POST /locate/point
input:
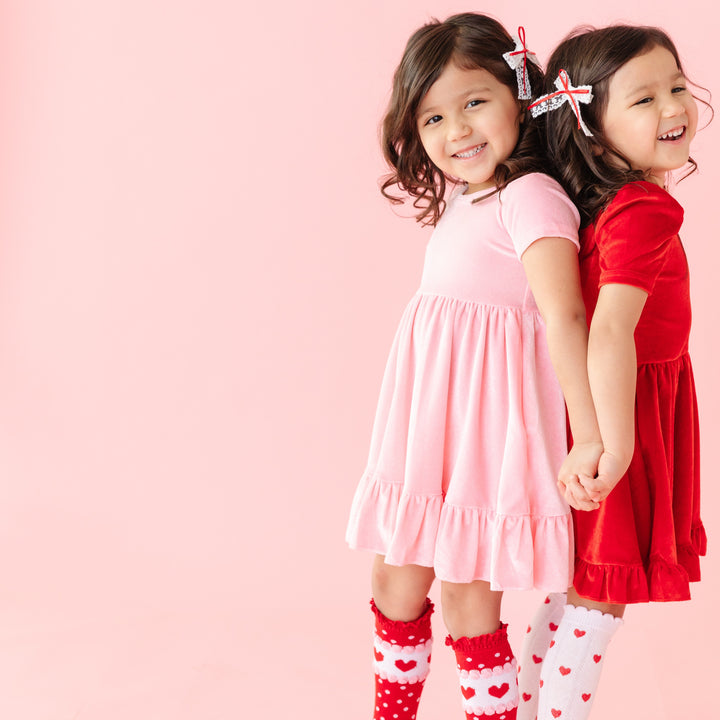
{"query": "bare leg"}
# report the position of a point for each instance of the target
(403, 637)
(571, 671)
(400, 593)
(485, 662)
(470, 609)
(611, 609)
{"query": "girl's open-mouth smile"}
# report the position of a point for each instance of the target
(469, 153)
(677, 133)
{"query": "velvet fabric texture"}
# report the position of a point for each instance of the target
(644, 541)
(470, 430)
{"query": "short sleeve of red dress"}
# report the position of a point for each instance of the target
(633, 235)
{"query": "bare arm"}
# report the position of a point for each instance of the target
(612, 369)
(551, 266)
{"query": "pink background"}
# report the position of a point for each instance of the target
(199, 283)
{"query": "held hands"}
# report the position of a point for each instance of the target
(581, 463)
(610, 470)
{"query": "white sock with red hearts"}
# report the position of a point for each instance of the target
(571, 671)
(402, 663)
(536, 642)
(488, 675)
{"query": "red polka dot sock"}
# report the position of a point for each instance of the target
(488, 675)
(536, 642)
(402, 662)
(571, 671)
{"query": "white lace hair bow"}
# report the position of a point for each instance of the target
(517, 59)
(565, 93)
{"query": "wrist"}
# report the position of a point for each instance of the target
(587, 441)
(622, 456)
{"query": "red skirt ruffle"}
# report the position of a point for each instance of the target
(644, 542)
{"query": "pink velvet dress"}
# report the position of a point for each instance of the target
(470, 429)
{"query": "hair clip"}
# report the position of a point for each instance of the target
(517, 59)
(565, 93)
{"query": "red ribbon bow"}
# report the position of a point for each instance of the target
(524, 53)
(566, 88)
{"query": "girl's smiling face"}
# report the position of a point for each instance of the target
(468, 123)
(651, 116)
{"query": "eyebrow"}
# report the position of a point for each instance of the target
(642, 88)
(477, 89)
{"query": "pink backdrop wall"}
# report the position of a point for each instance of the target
(198, 286)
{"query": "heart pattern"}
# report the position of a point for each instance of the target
(529, 629)
(378, 655)
(537, 659)
(586, 696)
(556, 713)
(405, 665)
(526, 696)
(597, 658)
(553, 627)
(468, 692)
(578, 633)
(552, 642)
(564, 670)
(498, 691)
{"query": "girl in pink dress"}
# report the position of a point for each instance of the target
(470, 431)
(619, 117)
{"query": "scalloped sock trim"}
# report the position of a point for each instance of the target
(571, 672)
(487, 671)
(401, 661)
(536, 643)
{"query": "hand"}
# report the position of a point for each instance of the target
(582, 460)
(610, 471)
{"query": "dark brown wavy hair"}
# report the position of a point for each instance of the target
(471, 41)
(587, 167)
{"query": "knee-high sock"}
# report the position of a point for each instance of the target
(402, 662)
(488, 675)
(535, 645)
(571, 670)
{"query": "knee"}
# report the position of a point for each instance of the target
(470, 609)
(400, 593)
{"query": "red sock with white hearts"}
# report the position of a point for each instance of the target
(402, 662)
(535, 645)
(488, 675)
(572, 667)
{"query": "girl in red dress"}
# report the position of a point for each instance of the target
(619, 118)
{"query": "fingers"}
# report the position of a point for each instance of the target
(576, 495)
(596, 488)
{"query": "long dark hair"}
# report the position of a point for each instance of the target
(587, 167)
(471, 41)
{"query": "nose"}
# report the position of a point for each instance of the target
(458, 128)
(673, 106)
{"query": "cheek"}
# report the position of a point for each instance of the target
(692, 112)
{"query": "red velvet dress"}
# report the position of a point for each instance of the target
(644, 541)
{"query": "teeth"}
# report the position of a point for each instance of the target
(470, 153)
(672, 134)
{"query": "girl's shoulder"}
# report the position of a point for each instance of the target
(534, 182)
(538, 195)
(642, 204)
(641, 219)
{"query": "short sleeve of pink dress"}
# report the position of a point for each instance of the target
(470, 428)
(643, 543)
